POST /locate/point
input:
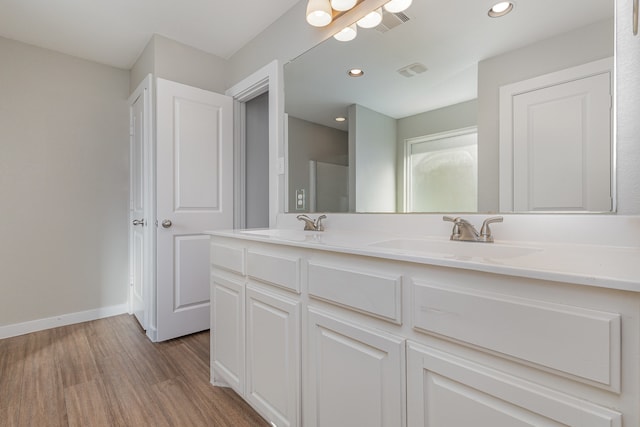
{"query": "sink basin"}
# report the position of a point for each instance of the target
(457, 249)
(283, 234)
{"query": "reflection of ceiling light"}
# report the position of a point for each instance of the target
(395, 6)
(355, 72)
(340, 119)
(347, 34)
(319, 13)
(500, 9)
(342, 5)
(371, 20)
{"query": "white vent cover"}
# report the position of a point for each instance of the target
(391, 20)
(412, 69)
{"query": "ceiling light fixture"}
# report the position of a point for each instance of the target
(500, 9)
(372, 19)
(355, 72)
(396, 6)
(341, 119)
(319, 13)
(347, 33)
(342, 5)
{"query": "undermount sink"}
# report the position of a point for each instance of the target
(457, 249)
(283, 234)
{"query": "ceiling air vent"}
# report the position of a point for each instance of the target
(412, 69)
(391, 20)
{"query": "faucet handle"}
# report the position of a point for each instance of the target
(308, 222)
(319, 224)
(485, 231)
(456, 226)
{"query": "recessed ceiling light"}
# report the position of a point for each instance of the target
(340, 119)
(355, 72)
(500, 9)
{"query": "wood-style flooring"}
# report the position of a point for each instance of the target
(108, 373)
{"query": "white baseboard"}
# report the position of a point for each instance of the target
(61, 320)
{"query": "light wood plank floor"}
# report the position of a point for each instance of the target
(107, 373)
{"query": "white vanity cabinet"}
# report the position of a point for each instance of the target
(355, 362)
(317, 335)
(446, 390)
(355, 374)
(273, 355)
(255, 342)
(227, 284)
(507, 351)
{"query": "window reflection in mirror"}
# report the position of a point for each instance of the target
(468, 58)
(442, 172)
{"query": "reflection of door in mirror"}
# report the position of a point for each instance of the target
(442, 172)
(556, 133)
(308, 141)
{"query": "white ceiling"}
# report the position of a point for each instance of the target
(114, 32)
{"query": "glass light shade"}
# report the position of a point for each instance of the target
(371, 20)
(347, 33)
(319, 13)
(395, 6)
(342, 5)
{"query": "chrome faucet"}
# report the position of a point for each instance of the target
(312, 225)
(464, 231)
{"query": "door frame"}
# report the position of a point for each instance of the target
(145, 92)
(507, 94)
(266, 79)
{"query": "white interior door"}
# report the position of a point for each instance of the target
(556, 141)
(563, 164)
(140, 245)
(194, 193)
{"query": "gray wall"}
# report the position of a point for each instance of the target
(257, 162)
(311, 141)
(372, 157)
(288, 37)
(575, 48)
(171, 60)
(64, 184)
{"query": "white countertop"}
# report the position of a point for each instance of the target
(603, 266)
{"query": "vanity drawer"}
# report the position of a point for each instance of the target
(581, 342)
(279, 270)
(371, 293)
(227, 258)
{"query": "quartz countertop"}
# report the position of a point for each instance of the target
(603, 266)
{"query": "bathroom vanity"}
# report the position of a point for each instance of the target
(346, 328)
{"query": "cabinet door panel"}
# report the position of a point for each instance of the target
(445, 390)
(273, 355)
(355, 375)
(227, 338)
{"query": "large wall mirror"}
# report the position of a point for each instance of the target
(457, 111)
